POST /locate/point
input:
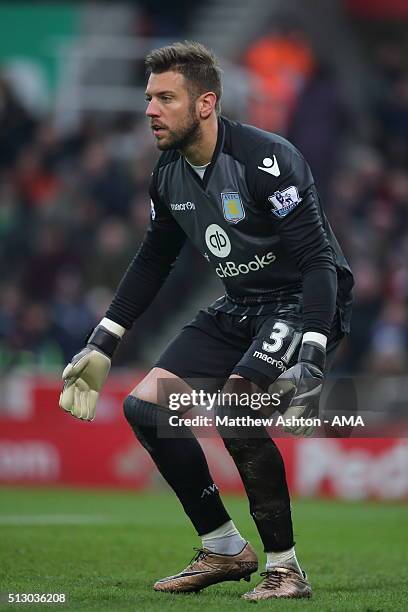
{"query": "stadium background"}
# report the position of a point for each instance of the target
(75, 162)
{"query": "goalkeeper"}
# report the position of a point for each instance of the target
(247, 200)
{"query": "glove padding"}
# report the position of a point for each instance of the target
(83, 379)
(300, 387)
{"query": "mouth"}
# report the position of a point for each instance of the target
(158, 130)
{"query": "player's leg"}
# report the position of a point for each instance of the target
(175, 451)
(261, 465)
(181, 461)
(256, 456)
(262, 471)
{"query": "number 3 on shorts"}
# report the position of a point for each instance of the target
(279, 332)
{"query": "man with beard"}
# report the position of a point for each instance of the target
(247, 200)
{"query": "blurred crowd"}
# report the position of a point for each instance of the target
(369, 209)
(74, 207)
(360, 165)
(73, 211)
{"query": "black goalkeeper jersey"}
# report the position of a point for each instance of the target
(257, 219)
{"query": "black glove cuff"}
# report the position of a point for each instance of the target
(311, 353)
(104, 340)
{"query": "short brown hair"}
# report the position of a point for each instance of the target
(195, 62)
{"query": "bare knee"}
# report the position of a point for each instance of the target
(157, 386)
(149, 387)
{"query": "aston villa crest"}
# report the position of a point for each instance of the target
(232, 207)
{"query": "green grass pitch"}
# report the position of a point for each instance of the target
(105, 549)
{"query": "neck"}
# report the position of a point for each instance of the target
(201, 151)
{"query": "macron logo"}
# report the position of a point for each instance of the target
(183, 206)
(270, 166)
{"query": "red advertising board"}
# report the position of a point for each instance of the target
(40, 444)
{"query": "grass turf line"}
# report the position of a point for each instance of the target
(355, 553)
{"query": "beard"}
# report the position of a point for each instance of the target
(184, 136)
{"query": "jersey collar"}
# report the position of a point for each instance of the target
(209, 170)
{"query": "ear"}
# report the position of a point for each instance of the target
(206, 104)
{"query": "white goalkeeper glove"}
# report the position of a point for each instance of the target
(85, 376)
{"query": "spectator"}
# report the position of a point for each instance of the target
(280, 63)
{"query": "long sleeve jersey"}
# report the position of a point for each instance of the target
(257, 219)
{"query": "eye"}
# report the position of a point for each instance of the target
(166, 98)
(148, 98)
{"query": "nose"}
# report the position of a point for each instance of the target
(152, 109)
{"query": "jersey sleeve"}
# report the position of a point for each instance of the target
(151, 265)
(283, 186)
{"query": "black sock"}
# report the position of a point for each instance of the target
(181, 461)
(262, 470)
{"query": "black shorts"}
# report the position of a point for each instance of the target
(259, 348)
